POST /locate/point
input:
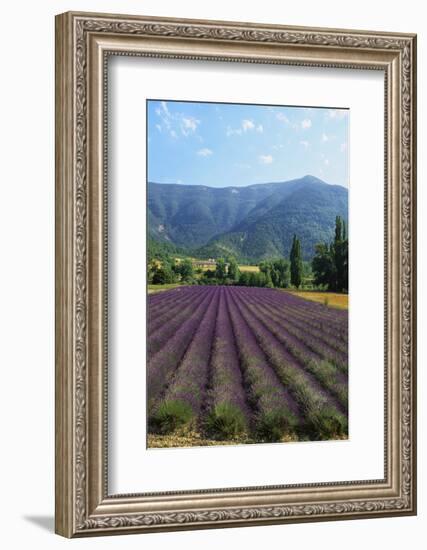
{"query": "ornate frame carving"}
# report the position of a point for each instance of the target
(83, 506)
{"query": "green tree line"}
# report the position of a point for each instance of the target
(272, 273)
(330, 264)
(167, 270)
(329, 267)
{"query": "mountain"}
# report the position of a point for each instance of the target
(191, 215)
(252, 223)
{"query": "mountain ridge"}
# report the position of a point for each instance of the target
(251, 222)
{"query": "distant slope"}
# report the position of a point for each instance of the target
(253, 222)
(190, 215)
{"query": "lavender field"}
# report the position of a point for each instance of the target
(244, 364)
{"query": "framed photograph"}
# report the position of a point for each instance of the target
(235, 274)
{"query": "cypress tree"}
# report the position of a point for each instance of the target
(296, 262)
(338, 253)
(330, 264)
(340, 256)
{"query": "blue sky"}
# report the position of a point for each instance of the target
(224, 144)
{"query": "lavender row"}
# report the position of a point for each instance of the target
(324, 372)
(180, 296)
(157, 319)
(327, 336)
(171, 296)
(321, 350)
(320, 415)
(188, 386)
(314, 309)
(332, 316)
(160, 336)
(157, 297)
(164, 363)
(320, 309)
(314, 313)
(229, 414)
(336, 329)
(276, 410)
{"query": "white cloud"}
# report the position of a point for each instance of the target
(282, 117)
(189, 125)
(165, 108)
(326, 161)
(163, 112)
(266, 159)
(343, 147)
(325, 138)
(305, 143)
(306, 123)
(205, 152)
(247, 125)
(175, 122)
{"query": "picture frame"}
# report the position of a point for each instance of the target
(84, 42)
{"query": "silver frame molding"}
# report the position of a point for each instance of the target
(83, 43)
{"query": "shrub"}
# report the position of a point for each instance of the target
(274, 425)
(225, 421)
(170, 416)
(328, 423)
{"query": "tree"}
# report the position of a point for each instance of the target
(339, 255)
(323, 266)
(208, 278)
(233, 270)
(254, 279)
(345, 265)
(164, 275)
(268, 280)
(244, 278)
(186, 270)
(281, 272)
(151, 270)
(296, 263)
(221, 269)
(330, 264)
